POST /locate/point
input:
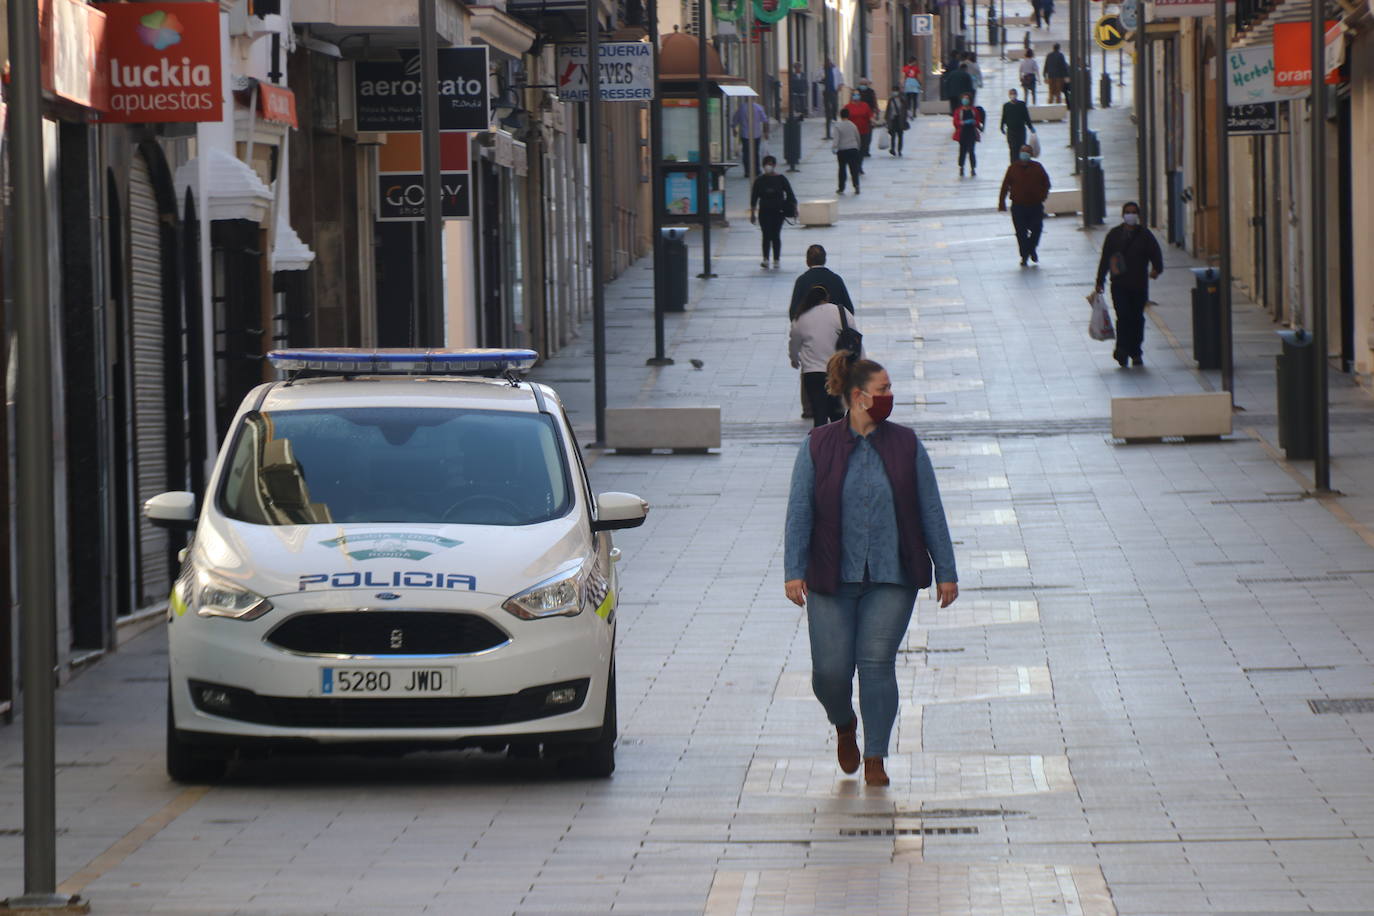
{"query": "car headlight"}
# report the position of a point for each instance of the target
(559, 596)
(210, 596)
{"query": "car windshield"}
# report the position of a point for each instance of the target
(367, 465)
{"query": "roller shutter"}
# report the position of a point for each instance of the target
(149, 348)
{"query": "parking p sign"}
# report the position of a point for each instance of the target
(922, 24)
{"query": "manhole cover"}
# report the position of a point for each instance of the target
(1346, 707)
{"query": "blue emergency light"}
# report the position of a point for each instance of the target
(401, 361)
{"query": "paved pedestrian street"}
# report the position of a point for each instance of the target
(1122, 713)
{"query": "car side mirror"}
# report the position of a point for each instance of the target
(175, 510)
(619, 510)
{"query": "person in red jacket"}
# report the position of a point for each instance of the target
(1028, 184)
(862, 116)
(968, 130)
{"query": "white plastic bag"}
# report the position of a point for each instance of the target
(1034, 142)
(882, 142)
(1100, 325)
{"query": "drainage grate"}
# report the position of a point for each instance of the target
(1282, 669)
(1260, 499)
(1346, 707)
(908, 831)
(19, 831)
(1291, 580)
(146, 680)
(1228, 562)
(925, 650)
(1025, 587)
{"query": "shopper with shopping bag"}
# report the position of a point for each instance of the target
(1132, 257)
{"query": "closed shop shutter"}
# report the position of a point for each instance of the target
(149, 344)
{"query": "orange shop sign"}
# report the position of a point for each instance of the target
(163, 62)
(278, 104)
(1293, 53)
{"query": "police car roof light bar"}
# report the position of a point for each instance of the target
(400, 361)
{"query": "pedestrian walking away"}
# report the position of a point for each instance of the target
(771, 202)
(971, 65)
(1056, 74)
(911, 86)
(897, 122)
(796, 91)
(1046, 11)
(1131, 256)
(864, 526)
(751, 123)
(816, 324)
(1035, 12)
(817, 274)
(831, 82)
(847, 144)
(1029, 74)
(959, 84)
(1028, 184)
(1016, 120)
(968, 130)
(862, 115)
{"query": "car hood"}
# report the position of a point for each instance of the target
(388, 558)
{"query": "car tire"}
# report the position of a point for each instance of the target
(187, 763)
(596, 759)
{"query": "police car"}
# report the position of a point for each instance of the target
(395, 553)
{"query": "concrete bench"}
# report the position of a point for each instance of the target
(1186, 416)
(934, 106)
(818, 212)
(642, 429)
(1065, 202)
(1041, 113)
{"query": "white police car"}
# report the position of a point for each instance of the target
(394, 554)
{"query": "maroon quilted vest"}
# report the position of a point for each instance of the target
(831, 446)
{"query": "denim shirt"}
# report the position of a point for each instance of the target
(868, 526)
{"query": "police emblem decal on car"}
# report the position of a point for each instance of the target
(386, 596)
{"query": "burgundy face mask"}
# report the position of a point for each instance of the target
(881, 409)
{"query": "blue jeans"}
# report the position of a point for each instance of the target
(860, 627)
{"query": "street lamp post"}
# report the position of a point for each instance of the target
(429, 330)
(1321, 451)
(703, 146)
(598, 233)
(1224, 208)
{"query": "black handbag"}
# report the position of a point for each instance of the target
(849, 338)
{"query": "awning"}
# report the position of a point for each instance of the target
(235, 191)
(734, 91)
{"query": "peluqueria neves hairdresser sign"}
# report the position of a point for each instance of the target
(162, 62)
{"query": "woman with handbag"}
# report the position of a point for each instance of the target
(897, 122)
(820, 328)
(771, 202)
(864, 526)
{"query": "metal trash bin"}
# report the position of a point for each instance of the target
(791, 142)
(674, 279)
(1207, 318)
(1297, 370)
(1094, 192)
(1092, 145)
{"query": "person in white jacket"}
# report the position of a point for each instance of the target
(816, 326)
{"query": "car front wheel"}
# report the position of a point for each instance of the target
(597, 758)
(187, 763)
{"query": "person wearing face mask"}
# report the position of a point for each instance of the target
(861, 115)
(815, 328)
(1028, 184)
(771, 202)
(864, 526)
(1131, 255)
(897, 122)
(968, 130)
(1016, 120)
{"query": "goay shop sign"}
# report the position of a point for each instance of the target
(163, 62)
(388, 99)
(401, 196)
(627, 72)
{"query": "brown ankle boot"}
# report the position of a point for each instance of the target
(874, 774)
(848, 750)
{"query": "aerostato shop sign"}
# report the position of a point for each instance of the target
(387, 93)
(162, 62)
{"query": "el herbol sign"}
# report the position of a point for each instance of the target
(162, 62)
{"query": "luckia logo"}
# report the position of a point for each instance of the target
(159, 30)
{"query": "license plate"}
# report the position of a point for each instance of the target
(387, 682)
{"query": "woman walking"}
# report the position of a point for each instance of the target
(911, 86)
(864, 525)
(1132, 257)
(968, 130)
(897, 122)
(816, 326)
(774, 201)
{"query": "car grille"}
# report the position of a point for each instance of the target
(428, 712)
(387, 633)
